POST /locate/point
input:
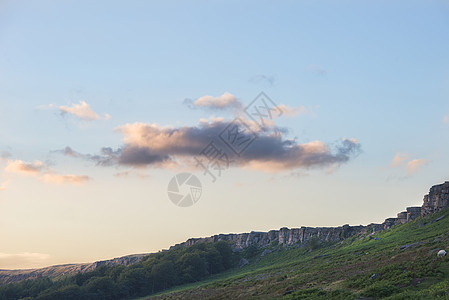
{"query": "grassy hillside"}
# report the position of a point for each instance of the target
(399, 263)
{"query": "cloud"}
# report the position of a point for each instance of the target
(69, 152)
(446, 119)
(415, 165)
(4, 154)
(318, 69)
(152, 145)
(225, 101)
(228, 101)
(23, 260)
(21, 167)
(398, 159)
(262, 79)
(60, 179)
(410, 166)
(293, 111)
(82, 111)
(42, 172)
(4, 185)
(127, 174)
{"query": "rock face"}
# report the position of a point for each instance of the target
(413, 213)
(437, 199)
(284, 236)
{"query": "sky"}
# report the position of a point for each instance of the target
(103, 103)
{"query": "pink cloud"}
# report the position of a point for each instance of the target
(415, 165)
(166, 147)
(42, 172)
(82, 111)
(398, 159)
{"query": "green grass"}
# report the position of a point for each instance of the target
(343, 271)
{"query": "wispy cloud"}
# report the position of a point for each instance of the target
(42, 172)
(82, 111)
(4, 154)
(223, 102)
(151, 145)
(4, 185)
(229, 102)
(294, 111)
(21, 167)
(261, 78)
(61, 179)
(415, 165)
(131, 173)
(410, 166)
(398, 159)
(317, 69)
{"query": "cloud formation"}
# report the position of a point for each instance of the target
(293, 111)
(223, 102)
(21, 167)
(82, 111)
(415, 165)
(398, 159)
(42, 172)
(229, 102)
(151, 145)
(410, 166)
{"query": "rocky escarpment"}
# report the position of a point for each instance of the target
(437, 199)
(285, 236)
(9, 276)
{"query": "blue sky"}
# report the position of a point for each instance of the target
(376, 72)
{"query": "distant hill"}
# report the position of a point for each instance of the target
(55, 272)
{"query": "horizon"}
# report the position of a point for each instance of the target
(103, 105)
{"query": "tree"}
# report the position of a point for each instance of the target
(193, 267)
(135, 281)
(226, 253)
(69, 292)
(101, 288)
(163, 276)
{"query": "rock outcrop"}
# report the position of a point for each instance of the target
(437, 199)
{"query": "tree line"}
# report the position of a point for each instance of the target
(154, 273)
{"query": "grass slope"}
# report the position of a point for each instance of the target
(369, 267)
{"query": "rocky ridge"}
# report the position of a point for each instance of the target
(8, 276)
(437, 199)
